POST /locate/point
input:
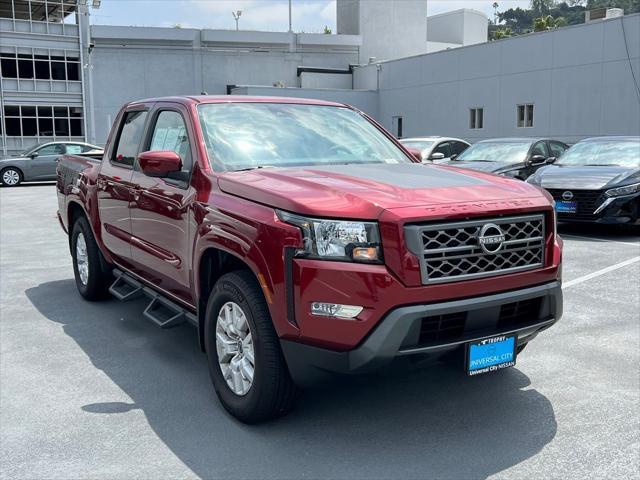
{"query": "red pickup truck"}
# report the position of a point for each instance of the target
(301, 239)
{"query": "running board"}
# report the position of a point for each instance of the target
(161, 311)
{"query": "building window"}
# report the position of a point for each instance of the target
(525, 115)
(43, 121)
(397, 126)
(40, 67)
(476, 117)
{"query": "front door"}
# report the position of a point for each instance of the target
(43, 165)
(161, 208)
(115, 189)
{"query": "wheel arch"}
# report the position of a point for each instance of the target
(212, 264)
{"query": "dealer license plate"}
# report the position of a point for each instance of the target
(566, 207)
(491, 354)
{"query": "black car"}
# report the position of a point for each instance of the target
(511, 157)
(596, 180)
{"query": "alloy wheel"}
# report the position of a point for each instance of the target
(10, 177)
(82, 258)
(234, 345)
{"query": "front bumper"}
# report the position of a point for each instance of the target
(409, 331)
(623, 210)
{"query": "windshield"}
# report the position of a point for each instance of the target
(242, 136)
(418, 144)
(616, 153)
(512, 152)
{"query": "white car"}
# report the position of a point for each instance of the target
(436, 149)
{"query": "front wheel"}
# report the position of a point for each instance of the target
(11, 177)
(91, 278)
(246, 364)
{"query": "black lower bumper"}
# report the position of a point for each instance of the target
(433, 329)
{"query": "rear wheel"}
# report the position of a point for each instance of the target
(246, 364)
(11, 177)
(91, 278)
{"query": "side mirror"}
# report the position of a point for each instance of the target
(536, 160)
(551, 160)
(437, 156)
(453, 157)
(417, 154)
(33, 155)
(159, 163)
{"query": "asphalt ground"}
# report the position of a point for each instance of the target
(93, 390)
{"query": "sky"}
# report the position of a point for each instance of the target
(309, 16)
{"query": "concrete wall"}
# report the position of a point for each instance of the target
(389, 28)
(130, 63)
(579, 79)
(461, 27)
(365, 100)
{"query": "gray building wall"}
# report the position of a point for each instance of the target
(579, 79)
(130, 63)
(389, 28)
(365, 100)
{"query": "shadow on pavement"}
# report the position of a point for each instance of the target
(419, 423)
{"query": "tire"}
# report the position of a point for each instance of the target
(270, 392)
(91, 278)
(11, 177)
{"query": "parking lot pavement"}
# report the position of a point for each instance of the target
(92, 390)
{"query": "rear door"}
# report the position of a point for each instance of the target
(114, 184)
(43, 166)
(161, 208)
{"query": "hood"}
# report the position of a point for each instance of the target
(491, 167)
(583, 178)
(364, 191)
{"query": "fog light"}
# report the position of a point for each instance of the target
(335, 310)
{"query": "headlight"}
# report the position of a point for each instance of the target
(628, 190)
(344, 240)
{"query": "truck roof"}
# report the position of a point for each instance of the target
(198, 99)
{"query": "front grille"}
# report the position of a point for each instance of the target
(516, 313)
(452, 251)
(587, 202)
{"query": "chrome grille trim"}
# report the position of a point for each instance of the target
(450, 252)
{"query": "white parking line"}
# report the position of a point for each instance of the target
(597, 273)
(635, 244)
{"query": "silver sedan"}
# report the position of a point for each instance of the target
(39, 162)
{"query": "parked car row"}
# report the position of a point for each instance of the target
(595, 180)
(38, 163)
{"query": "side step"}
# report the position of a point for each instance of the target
(161, 311)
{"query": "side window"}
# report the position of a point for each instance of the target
(557, 149)
(87, 148)
(128, 142)
(540, 148)
(74, 149)
(443, 148)
(459, 147)
(170, 133)
(55, 149)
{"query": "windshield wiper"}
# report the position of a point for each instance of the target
(253, 168)
(601, 165)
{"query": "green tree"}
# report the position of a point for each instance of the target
(502, 33)
(327, 30)
(542, 7)
(547, 22)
